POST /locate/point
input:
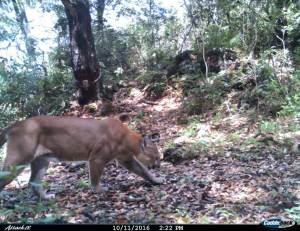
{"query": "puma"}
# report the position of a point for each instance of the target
(40, 140)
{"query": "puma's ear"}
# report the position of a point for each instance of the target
(146, 142)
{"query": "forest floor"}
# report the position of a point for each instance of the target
(218, 170)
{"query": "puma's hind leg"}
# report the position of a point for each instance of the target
(13, 159)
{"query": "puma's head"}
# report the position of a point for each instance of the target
(149, 155)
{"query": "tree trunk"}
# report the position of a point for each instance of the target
(281, 22)
(84, 60)
(100, 6)
(151, 3)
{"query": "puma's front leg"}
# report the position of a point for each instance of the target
(96, 169)
(139, 169)
(38, 169)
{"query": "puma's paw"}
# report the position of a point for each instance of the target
(44, 197)
(158, 181)
(100, 190)
(49, 197)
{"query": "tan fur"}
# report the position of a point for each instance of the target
(40, 140)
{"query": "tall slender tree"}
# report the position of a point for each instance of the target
(84, 59)
(25, 28)
(100, 6)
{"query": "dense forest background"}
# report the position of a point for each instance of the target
(230, 67)
(225, 45)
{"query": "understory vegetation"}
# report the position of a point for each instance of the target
(218, 86)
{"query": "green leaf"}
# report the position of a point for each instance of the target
(8, 193)
(41, 208)
(35, 184)
(15, 169)
(46, 220)
(21, 166)
(3, 174)
(9, 211)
